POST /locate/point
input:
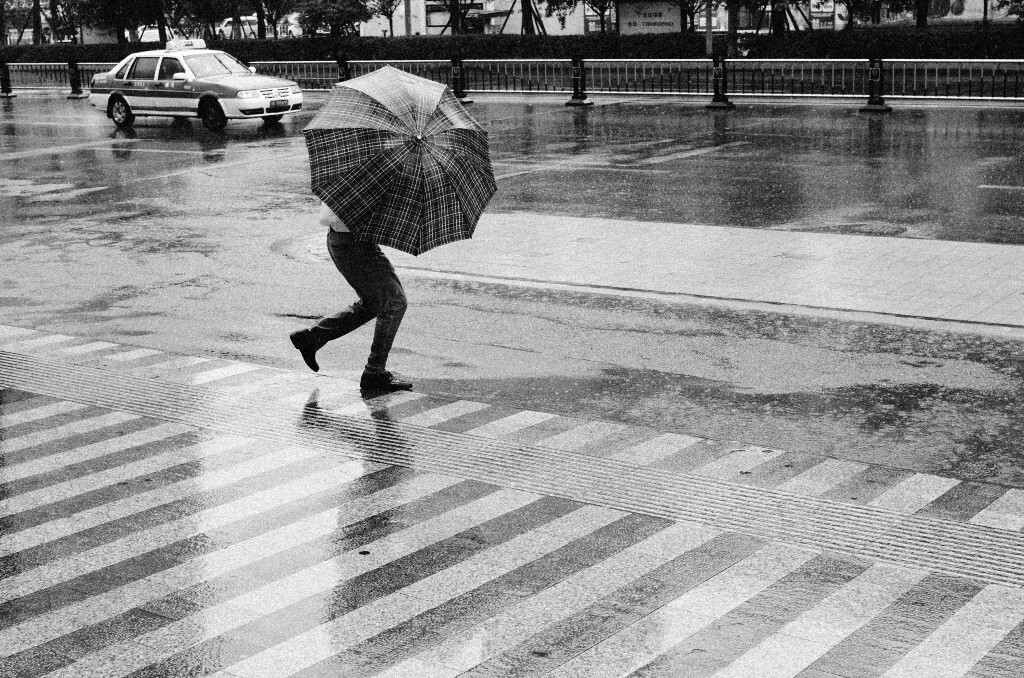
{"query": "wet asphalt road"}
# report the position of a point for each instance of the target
(173, 237)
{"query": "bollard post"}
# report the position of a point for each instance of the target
(458, 81)
(75, 78)
(579, 85)
(5, 81)
(876, 84)
(344, 70)
(720, 99)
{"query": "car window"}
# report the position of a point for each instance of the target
(144, 68)
(203, 65)
(123, 70)
(168, 67)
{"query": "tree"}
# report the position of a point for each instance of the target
(1012, 7)
(387, 9)
(339, 17)
(563, 8)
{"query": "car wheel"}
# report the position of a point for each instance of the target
(212, 115)
(121, 112)
(271, 119)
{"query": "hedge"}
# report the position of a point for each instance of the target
(1002, 40)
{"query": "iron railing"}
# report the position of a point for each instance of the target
(919, 78)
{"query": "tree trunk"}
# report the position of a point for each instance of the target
(733, 13)
(37, 23)
(391, 24)
(876, 12)
(455, 16)
(261, 20)
(3, 24)
(921, 13)
(161, 22)
(408, 16)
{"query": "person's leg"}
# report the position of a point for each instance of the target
(389, 304)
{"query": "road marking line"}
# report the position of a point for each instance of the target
(689, 154)
(1006, 512)
(1001, 188)
(62, 149)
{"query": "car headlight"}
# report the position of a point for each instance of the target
(295, 89)
(249, 94)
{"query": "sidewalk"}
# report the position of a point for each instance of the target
(890, 278)
(179, 515)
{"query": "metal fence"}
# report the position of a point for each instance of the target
(960, 79)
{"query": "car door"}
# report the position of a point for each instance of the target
(172, 98)
(140, 86)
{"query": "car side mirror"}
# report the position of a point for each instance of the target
(252, 69)
(180, 76)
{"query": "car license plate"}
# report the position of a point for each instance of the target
(279, 105)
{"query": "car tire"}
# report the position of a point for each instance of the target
(212, 115)
(121, 112)
(271, 119)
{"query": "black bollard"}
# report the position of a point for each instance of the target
(75, 78)
(5, 81)
(720, 99)
(579, 85)
(876, 83)
(344, 70)
(458, 81)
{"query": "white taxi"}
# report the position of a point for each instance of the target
(188, 80)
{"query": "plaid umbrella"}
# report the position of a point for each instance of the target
(400, 161)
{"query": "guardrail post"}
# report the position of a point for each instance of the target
(876, 84)
(5, 81)
(720, 100)
(458, 81)
(579, 85)
(75, 78)
(344, 70)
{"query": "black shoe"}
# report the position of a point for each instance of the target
(383, 382)
(307, 347)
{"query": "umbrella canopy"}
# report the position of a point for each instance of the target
(400, 161)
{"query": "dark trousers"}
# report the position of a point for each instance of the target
(380, 293)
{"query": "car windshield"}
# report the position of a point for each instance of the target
(214, 64)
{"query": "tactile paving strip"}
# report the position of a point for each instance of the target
(960, 549)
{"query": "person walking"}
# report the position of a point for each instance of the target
(381, 296)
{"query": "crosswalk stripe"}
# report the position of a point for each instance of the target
(577, 437)
(1006, 512)
(135, 354)
(43, 342)
(822, 477)
(37, 413)
(804, 640)
(655, 449)
(914, 493)
(438, 415)
(232, 558)
(367, 621)
(734, 463)
(265, 460)
(8, 331)
(510, 424)
(221, 373)
(91, 347)
(94, 481)
(655, 634)
(59, 460)
(120, 659)
(56, 433)
(166, 366)
(142, 541)
(956, 646)
(517, 623)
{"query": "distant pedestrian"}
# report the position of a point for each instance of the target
(381, 296)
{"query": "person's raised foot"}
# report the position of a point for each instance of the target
(382, 382)
(307, 346)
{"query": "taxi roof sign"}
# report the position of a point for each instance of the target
(193, 43)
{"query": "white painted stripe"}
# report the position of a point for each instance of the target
(660, 631)
(166, 366)
(690, 153)
(956, 646)
(807, 638)
(822, 477)
(60, 460)
(221, 373)
(362, 408)
(914, 493)
(259, 461)
(577, 437)
(40, 412)
(37, 342)
(273, 382)
(135, 354)
(8, 331)
(511, 424)
(140, 542)
(1001, 188)
(123, 658)
(734, 463)
(321, 642)
(87, 348)
(94, 481)
(233, 558)
(655, 449)
(516, 624)
(1005, 513)
(439, 415)
(56, 433)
